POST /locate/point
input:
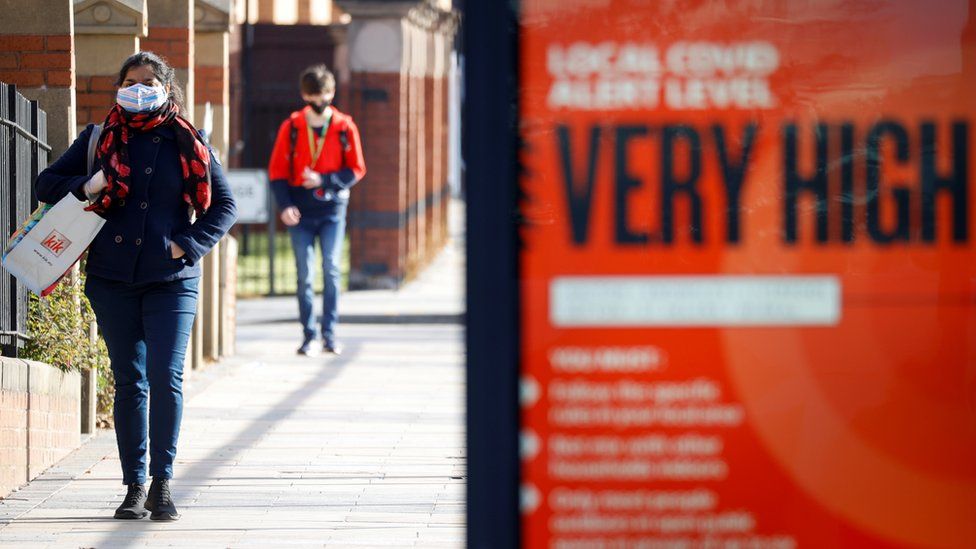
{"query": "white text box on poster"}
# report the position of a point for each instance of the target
(694, 301)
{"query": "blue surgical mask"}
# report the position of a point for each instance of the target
(141, 98)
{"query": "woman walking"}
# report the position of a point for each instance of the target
(150, 173)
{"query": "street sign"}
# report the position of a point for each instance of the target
(250, 189)
(747, 308)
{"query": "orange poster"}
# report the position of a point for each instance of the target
(748, 274)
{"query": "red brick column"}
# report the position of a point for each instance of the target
(42, 68)
(395, 213)
(448, 29)
(436, 138)
(32, 61)
(444, 149)
(209, 84)
(304, 12)
(106, 33)
(415, 185)
(265, 11)
(410, 163)
(211, 55)
(95, 96)
(171, 35)
(172, 43)
(377, 237)
(432, 234)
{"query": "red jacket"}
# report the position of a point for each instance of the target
(332, 158)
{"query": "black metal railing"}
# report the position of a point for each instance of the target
(23, 154)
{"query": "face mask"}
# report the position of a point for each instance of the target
(319, 109)
(141, 98)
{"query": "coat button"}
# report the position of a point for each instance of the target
(138, 242)
(143, 206)
(122, 202)
(118, 239)
(156, 139)
(148, 171)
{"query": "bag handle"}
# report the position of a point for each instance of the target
(93, 145)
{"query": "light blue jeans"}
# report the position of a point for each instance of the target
(330, 231)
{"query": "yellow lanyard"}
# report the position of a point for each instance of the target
(315, 144)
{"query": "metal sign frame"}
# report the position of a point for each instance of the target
(490, 144)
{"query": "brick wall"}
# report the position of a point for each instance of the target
(55, 425)
(33, 61)
(13, 440)
(40, 419)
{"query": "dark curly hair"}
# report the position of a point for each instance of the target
(163, 71)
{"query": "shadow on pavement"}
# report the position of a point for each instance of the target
(122, 535)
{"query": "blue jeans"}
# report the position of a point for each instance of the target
(330, 232)
(146, 327)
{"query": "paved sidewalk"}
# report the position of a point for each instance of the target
(366, 449)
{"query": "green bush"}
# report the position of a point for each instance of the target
(59, 329)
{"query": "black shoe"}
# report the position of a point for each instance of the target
(132, 505)
(332, 346)
(306, 348)
(160, 502)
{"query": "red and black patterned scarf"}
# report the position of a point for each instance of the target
(113, 152)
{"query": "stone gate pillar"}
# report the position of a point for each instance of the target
(390, 60)
(443, 74)
(37, 55)
(212, 85)
(211, 69)
(106, 32)
(171, 35)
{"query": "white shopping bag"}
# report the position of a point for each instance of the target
(46, 248)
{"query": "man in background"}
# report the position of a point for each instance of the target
(316, 159)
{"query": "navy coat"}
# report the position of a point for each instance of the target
(134, 244)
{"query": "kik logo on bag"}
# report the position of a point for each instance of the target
(56, 242)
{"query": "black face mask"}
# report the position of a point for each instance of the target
(319, 109)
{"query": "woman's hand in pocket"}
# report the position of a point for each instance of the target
(175, 249)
